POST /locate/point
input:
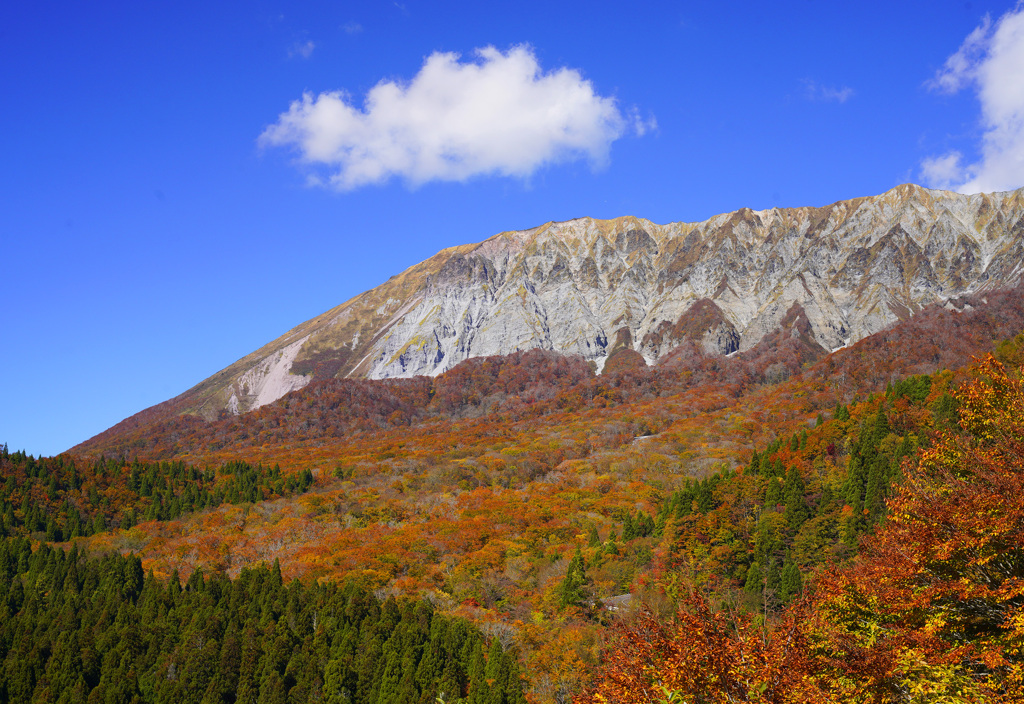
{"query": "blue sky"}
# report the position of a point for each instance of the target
(161, 217)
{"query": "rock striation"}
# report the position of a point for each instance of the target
(598, 288)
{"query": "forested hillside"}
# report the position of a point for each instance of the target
(69, 499)
(932, 609)
(546, 504)
(75, 629)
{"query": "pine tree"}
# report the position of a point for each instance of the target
(73, 521)
(773, 492)
(573, 589)
(497, 673)
(275, 573)
(874, 493)
(855, 523)
(479, 690)
(628, 527)
(755, 464)
(272, 690)
(794, 490)
(645, 524)
(755, 579)
(53, 533)
(790, 582)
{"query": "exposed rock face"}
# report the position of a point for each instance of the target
(703, 323)
(591, 287)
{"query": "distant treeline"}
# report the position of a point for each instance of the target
(66, 499)
(77, 629)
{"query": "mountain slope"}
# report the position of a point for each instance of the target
(592, 287)
(328, 415)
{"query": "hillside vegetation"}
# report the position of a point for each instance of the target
(727, 496)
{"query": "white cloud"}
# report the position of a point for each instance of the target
(352, 27)
(959, 68)
(942, 171)
(497, 114)
(991, 59)
(640, 125)
(303, 49)
(819, 93)
(840, 95)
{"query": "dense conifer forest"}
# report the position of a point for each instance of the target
(78, 629)
(67, 500)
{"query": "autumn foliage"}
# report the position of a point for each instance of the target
(707, 656)
(933, 610)
(534, 497)
(534, 385)
(936, 605)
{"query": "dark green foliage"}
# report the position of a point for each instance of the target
(54, 498)
(945, 409)
(642, 525)
(574, 589)
(790, 582)
(801, 502)
(915, 388)
(872, 470)
(75, 629)
(773, 492)
(793, 492)
(755, 464)
(694, 497)
(755, 579)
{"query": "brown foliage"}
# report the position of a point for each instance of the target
(707, 656)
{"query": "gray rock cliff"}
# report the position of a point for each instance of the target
(589, 286)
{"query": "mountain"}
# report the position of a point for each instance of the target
(535, 497)
(522, 389)
(594, 287)
(520, 491)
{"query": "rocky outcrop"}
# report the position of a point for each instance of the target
(621, 355)
(703, 322)
(594, 287)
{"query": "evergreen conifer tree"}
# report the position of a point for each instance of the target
(628, 527)
(755, 579)
(495, 674)
(479, 690)
(794, 490)
(755, 464)
(573, 589)
(790, 582)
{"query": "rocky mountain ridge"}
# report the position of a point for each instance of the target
(594, 287)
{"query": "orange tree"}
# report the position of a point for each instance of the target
(706, 656)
